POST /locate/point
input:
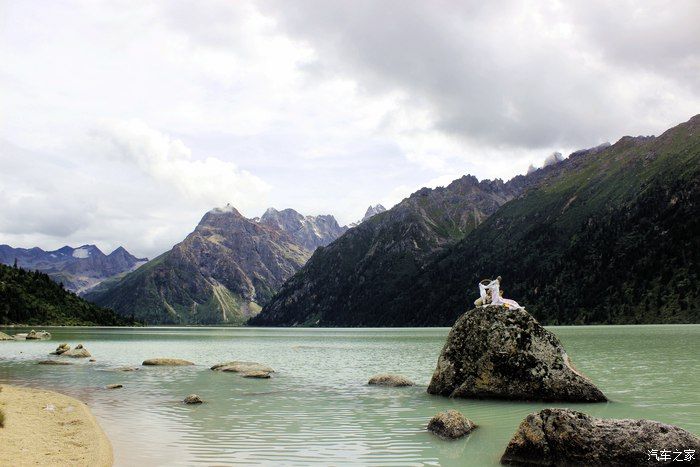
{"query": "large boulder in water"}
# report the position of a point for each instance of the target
(499, 352)
(565, 437)
(5, 337)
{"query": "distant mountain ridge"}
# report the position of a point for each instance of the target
(609, 235)
(79, 269)
(308, 231)
(223, 271)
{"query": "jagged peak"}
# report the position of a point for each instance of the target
(373, 211)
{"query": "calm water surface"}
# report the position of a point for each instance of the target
(317, 408)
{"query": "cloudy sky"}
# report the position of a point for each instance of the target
(122, 122)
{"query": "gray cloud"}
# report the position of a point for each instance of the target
(127, 123)
(507, 73)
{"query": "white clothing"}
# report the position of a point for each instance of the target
(495, 299)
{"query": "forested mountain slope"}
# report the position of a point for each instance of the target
(30, 297)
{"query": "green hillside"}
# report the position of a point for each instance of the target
(32, 298)
(609, 236)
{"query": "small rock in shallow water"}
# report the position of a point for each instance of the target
(166, 362)
(193, 399)
(565, 437)
(390, 380)
(450, 425)
(114, 386)
(78, 352)
(256, 374)
(5, 337)
(60, 349)
(53, 362)
(38, 335)
(242, 367)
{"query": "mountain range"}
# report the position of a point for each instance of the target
(607, 235)
(78, 269)
(222, 272)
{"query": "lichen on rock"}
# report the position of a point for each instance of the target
(450, 424)
(499, 352)
(390, 380)
(554, 437)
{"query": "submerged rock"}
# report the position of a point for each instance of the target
(38, 335)
(390, 380)
(256, 374)
(126, 368)
(53, 362)
(193, 399)
(166, 362)
(20, 336)
(78, 352)
(450, 425)
(245, 368)
(565, 437)
(498, 352)
(62, 348)
(5, 337)
(114, 386)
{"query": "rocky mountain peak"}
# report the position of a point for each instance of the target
(309, 231)
(373, 211)
(221, 217)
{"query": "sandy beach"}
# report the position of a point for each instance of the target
(48, 428)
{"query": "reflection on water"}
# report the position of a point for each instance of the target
(317, 407)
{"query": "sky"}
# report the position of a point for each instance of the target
(123, 122)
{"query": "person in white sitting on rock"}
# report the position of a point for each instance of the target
(491, 294)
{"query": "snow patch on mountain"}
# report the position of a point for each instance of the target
(81, 253)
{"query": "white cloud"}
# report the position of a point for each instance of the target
(167, 161)
(124, 184)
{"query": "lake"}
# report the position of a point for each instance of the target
(317, 408)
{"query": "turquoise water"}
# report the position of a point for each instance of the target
(317, 408)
